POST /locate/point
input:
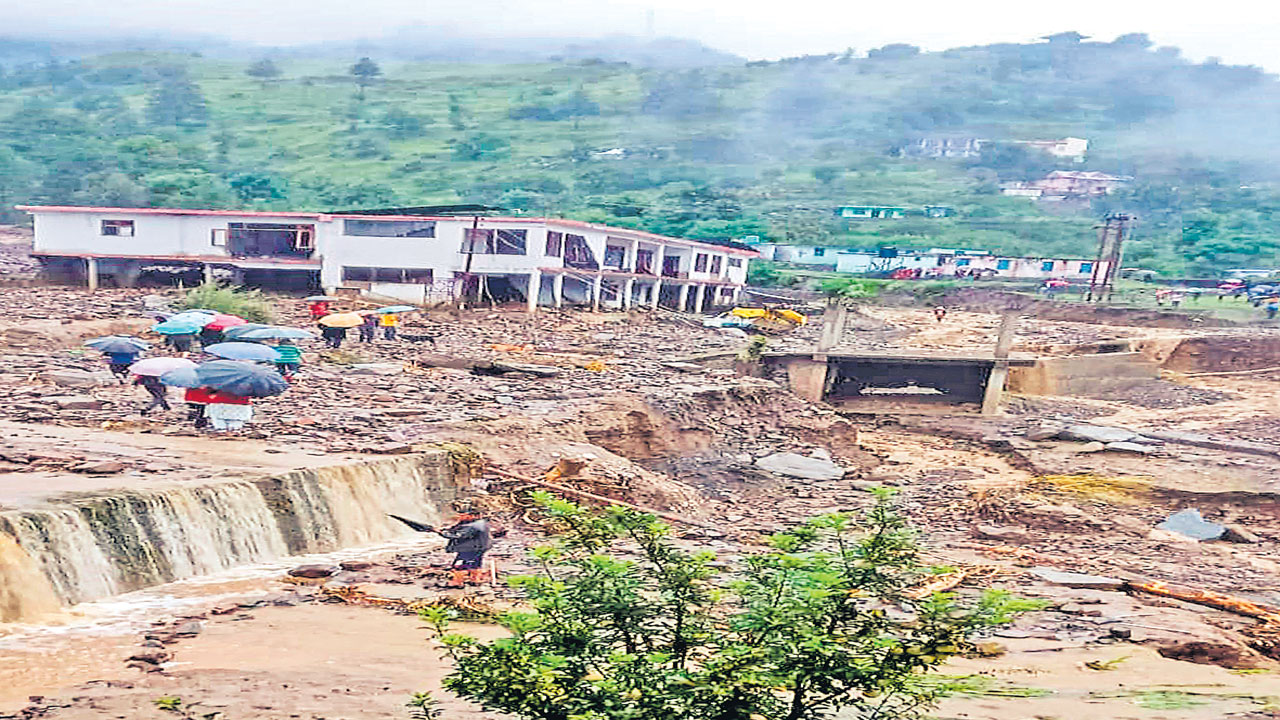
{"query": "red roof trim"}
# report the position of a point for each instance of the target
(163, 211)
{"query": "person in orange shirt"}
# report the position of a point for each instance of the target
(389, 323)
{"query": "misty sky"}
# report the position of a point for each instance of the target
(1238, 31)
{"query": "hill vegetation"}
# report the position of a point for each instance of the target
(721, 150)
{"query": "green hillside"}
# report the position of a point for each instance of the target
(763, 149)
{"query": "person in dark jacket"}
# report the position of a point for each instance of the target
(469, 538)
(369, 328)
(333, 336)
(156, 389)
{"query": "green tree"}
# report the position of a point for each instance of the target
(264, 70)
(365, 71)
(177, 101)
(826, 174)
(820, 622)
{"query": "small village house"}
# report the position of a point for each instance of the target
(398, 255)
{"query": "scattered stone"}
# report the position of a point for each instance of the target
(1210, 653)
(1014, 535)
(104, 467)
(1190, 523)
(388, 368)
(989, 649)
(1043, 433)
(1240, 534)
(355, 565)
(683, 366)
(1120, 633)
(313, 571)
(1098, 433)
(1132, 447)
(800, 466)
(153, 658)
(76, 402)
(1077, 580)
(190, 628)
(1091, 447)
(77, 378)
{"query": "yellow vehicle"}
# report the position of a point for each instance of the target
(764, 320)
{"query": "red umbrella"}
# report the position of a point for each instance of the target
(222, 322)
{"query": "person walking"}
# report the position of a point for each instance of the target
(1273, 308)
(389, 323)
(156, 389)
(210, 337)
(470, 537)
(119, 362)
(369, 328)
(318, 309)
(197, 400)
(228, 412)
(333, 336)
(180, 343)
(290, 358)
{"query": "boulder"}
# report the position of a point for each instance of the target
(1077, 580)
(1098, 433)
(76, 402)
(376, 369)
(101, 467)
(1014, 535)
(314, 571)
(77, 378)
(800, 466)
(191, 628)
(1190, 523)
(1131, 447)
(1046, 432)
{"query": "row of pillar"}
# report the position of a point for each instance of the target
(93, 279)
(628, 291)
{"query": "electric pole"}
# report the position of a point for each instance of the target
(1112, 233)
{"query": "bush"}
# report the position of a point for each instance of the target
(822, 621)
(248, 304)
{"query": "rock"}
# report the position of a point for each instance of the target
(1132, 447)
(735, 518)
(76, 402)
(188, 629)
(799, 466)
(77, 378)
(355, 565)
(1077, 580)
(314, 571)
(1091, 447)
(152, 658)
(989, 649)
(389, 449)
(1098, 433)
(1210, 653)
(1168, 536)
(103, 467)
(376, 369)
(1120, 633)
(1045, 432)
(504, 399)
(1239, 534)
(1003, 534)
(683, 366)
(1190, 523)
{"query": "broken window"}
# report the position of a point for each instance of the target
(390, 228)
(421, 276)
(270, 240)
(494, 242)
(475, 240)
(735, 262)
(555, 243)
(614, 256)
(577, 253)
(511, 242)
(644, 262)
(700, 263)
(671, 266)
(1047, 266)
(120, 228)
(715, 264)
(819, 252)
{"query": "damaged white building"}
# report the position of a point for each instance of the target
(415, 258)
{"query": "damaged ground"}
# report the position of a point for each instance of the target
(1011, 498)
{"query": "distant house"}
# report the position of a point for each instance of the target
(1071, 148)
(943, 147)
(938, 211)
(798, 254)
(947, 262)
(870, 212)
(1067, 184)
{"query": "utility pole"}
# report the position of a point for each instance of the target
(1112, 233)
(468, 243)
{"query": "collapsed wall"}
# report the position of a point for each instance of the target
(1213, 353)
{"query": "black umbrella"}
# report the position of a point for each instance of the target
(118, 344)
(240, 378)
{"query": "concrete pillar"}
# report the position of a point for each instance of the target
(833, 322)
(596, 284)
(557, 289)
(91, 273)
(700, 299)
(808, 377)
(127, 274)
(535, 289)
(683, 304)
(207, 271)
(657, 293)
(627, 288)
(737, 295)
(1000, 368)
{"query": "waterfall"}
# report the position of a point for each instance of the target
(85, 547)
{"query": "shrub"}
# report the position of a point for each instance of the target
(248, 304)
(820, 622)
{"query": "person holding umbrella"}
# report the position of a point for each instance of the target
(333, 328)
(389, 322)
(369, 328)
(290, 358)
(318, 306)
(120, 350)
(232, 385)
(156, 389)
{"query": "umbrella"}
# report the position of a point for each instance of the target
(206, 311)
(193, 317)
(321, 298)
(238, 332)
(174, 326)
(182, 377)
(118, 344)
(342, 320)
(243, 351)
(240, 378)
(394, 309)
(222, 322)
(159, 366)
(272, 333)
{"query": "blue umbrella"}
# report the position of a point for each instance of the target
(175, 326)
(240, 378)
(236, 332)
(118, 344)
(191, 316)
(273, 333)
(243, 351)
(182, 377)
(394, 309)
